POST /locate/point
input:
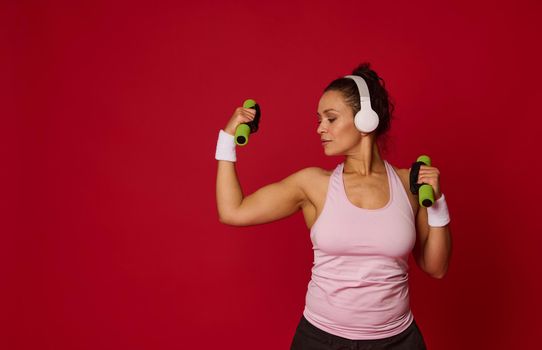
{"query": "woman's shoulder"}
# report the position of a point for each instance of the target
(313, 181)
(314, 172)
(311, 176)
(404, 175)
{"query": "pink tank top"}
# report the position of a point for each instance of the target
(359, 283)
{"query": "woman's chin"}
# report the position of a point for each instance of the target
(330, 153)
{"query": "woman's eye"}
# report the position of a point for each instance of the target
(329, 119)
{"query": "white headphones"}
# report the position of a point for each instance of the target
(366, 120)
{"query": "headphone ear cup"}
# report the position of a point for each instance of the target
(366, 120)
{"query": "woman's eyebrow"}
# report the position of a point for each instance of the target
(327, 110)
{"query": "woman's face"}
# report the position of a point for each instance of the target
(336, 125)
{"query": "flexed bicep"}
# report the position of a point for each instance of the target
(270, 203)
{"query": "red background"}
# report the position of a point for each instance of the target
(112, 110)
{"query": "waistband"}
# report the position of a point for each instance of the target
(332, 338)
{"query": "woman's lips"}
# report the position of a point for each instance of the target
(325, 142)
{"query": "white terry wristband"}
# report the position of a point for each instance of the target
(437, 214)
(225, 147)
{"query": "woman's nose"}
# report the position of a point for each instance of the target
(320, 128)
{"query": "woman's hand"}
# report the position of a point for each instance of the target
(430, 175)
(240, 116)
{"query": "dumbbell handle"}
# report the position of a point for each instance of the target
(425, 193)
(244, 130)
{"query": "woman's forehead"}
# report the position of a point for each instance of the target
(331, 100)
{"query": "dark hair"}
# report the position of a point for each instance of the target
(380, 100)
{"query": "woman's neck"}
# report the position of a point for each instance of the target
(364, 159)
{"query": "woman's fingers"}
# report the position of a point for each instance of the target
(249, 113)
(430, 175)
(240, 115)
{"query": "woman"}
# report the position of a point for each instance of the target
(364, 222)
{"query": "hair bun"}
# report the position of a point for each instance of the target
(364, 70)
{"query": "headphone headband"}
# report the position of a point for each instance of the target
(362, 88)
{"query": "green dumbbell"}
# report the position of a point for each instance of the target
(244, 130)
(425, 191)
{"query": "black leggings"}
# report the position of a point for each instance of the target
(309, 337)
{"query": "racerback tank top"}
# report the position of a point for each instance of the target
(359, 283)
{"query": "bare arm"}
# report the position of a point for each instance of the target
(269, 203)
(433, 248)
